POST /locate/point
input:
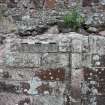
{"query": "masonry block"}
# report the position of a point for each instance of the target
(76, 45)
(22, 60)
(53, 47)
(47, 100)
(97, 44)
(57, 74)
(98, 60)
(101, 100)
(65, 45)
(34, 48)
(23, 74)
(64, 60)
(25, 47)
(86, 60)
(55, 60)
(76, 60)
(85, 44)
(14, 99)
(76, 78)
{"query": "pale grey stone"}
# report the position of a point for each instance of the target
(22, 74)
(76, 45)
(52, 47)
(22, 60)
(63, 60)
(97, 44)
(49, 100)
(65, 45)
(92, 29)
(76, 60)
(86, 60)
(50, 60)
(85, 44)
(53, 30)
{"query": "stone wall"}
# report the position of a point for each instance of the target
(52, 69)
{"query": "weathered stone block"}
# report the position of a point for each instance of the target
(56, 74)
(53, 47)
(100, 99)
(49, 100)
(64, 60)
(97, 44)
(86, 60)
(76, 60)
(85, 44)
(49, 60)
(95, 60)
(98, 60)
(32, 48)
(65, 45)
(50, 88)
(26, 47)
(22, 59)
(77, 75)
(44, 47)
(54, 60)
(76, 45)
(23, 74)
(14, 47)
(10, 86)
(35, 87)
(14, 99)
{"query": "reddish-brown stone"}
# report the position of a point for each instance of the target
(51, 74)
(87, 2)
(89, 73)
(101, 80)
(50, 4)
(98, 75)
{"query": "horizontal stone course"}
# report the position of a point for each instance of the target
(34, 48)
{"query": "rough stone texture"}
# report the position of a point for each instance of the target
(29, 15)
(102, 33)
(55, 67)
(50, 69)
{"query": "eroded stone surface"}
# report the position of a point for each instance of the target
(57, 65)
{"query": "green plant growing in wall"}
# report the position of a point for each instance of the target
(73, 19)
